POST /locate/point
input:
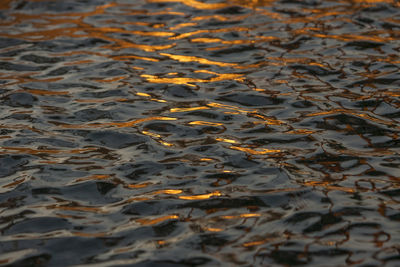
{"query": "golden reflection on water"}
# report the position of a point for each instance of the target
(169, 192)
(203, 196)
(193, 3)
(206, 123)
(254, 151)
(245, 215)
(187, 109)
(181, 58)
(115, 124)
(330, 138)
(156, 220)
(191, 81)
(44, 92)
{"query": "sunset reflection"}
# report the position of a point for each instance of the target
(200, 133)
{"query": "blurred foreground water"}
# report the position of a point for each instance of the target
(199, 133)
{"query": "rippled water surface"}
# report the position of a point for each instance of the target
(200, 133)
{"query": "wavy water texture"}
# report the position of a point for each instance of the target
(199, 133)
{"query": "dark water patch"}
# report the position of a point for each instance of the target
(232, 10)
(44, 141)
(251, 100)
(233, 50)
(224, 203)
(19, 67)
(142, 169)
(302, 104)
(92, 114)
(46, 191)
(145, 208)
(164, 127)
(195, 261)
(100, 94)
(114, 139)
(379, 81)
(289, 139)
(64, 45)
(37, 225)
(180, 91)
(61, 71)
(315, 70)
(40, 59)
(38, 260)
(49, 6)
(11, 219)
(325, 220)
(240, 161)
(289, 257)
(10, 164)
(364, 44)
(7, 42)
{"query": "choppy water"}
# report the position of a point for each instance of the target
(188, 133)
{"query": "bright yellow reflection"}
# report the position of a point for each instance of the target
(165, 143)
(151, 134)
(223, 106)
(142, 94)
(187, 109)
(193, 3)
(157, 220)
(191, 81)
(183, 25)
(200, 197)
(136, 186)
(231, 141)
(182, 58)
(213, 229)
(255, 152)
(168, 192)
(205, 123)
(244, 215)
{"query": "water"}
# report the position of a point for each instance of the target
(188, 133)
